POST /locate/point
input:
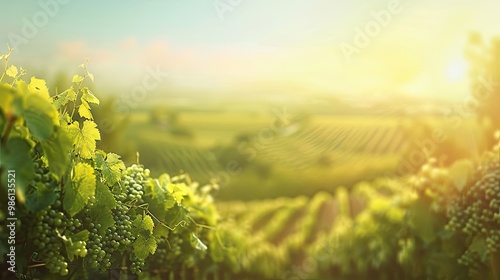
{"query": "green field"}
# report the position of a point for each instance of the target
(326, 150)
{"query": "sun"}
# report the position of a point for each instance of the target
(456, 70)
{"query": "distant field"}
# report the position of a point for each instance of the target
(334, 144)
(327, 150)
(209, 128)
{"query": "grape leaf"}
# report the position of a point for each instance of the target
(479, 246)
(111, 167)
(178, 191)
(64, 97)
(15, 155)
(40, 198)
(84, 110)
(89, 96)
(80, 189)
(169, 202)
(84, 139)
(100, 212)
(77, 79)
(177, 215)
(155, 190)
(197, 244)
(148, 223)
(161, 231)
(38, 86)
(424, 222)
(104, 197)
(65, 119)
(142, 225)
(143, 246)
(101, 216)
(12, 71)
(56, 150)
(41, 116)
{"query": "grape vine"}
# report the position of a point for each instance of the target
(82, 212)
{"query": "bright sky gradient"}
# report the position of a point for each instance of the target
(259, 46)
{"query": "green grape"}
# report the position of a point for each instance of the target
(136, 265)
(133, 182)
(99, 249)
(118, 236)
(49, 227)
(47, 233)
(476, 211)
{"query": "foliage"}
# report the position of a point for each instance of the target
(80, 211)
(439, 223)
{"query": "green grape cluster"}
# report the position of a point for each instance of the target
(160, 258)
(77, 248)
(98, 255)
(118, 236)
(136, 264)
(56, 263)
(435, 182)
(46, 233)
(175, 246)
(477, 211)
(42, 174)
(133, 181)
(121, 231)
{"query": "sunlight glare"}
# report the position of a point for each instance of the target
(456, 70)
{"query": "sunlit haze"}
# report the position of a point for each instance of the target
(261, 47)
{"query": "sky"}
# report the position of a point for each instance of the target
(297, 47)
